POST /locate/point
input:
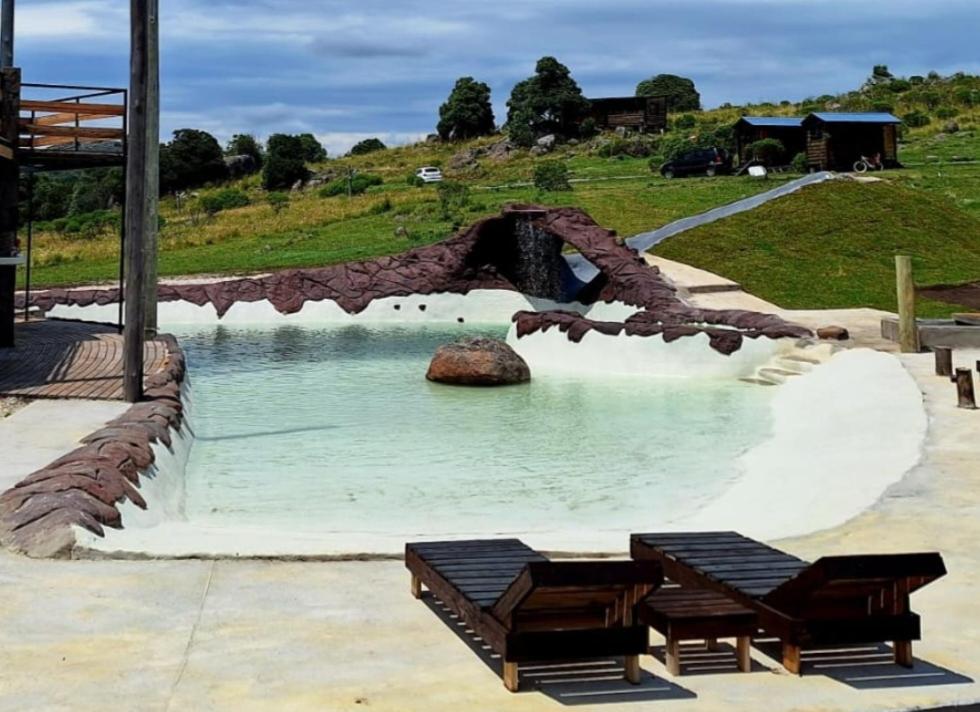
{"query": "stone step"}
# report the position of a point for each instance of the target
(795, 367)
(755, 381)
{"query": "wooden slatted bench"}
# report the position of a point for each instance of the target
(681, 614)
(530, 609)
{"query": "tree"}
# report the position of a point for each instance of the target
(681, 93)
(467, 112)
(313, 151)
(284, 163)
(550, 102)
(368, 145)
(245, 145)
(191, 159)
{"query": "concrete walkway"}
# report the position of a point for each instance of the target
(252, 635)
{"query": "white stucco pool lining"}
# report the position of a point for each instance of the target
(843, 433)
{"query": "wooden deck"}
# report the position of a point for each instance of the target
(65, 359)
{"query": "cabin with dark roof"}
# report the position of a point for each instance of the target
(639, 113)
(788, 130)
(835, 141)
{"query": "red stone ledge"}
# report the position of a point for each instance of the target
(86, 487)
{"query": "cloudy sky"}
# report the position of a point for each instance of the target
(345, 70)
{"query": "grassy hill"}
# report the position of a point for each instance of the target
(831, 246)
(834, 245)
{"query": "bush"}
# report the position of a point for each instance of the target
(633, 147)
(368, 145)
(917, 79)
(946, 112)
(551, 176)
(225, 199)
(685, 121)
(768, 151)
(453, 197)
(967, 96)
(355, 185)
(883, 106)
(899, 85)
(673, 146)
(916, 119)
(800, 163)
(414, 181)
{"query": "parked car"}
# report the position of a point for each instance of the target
(704, 161)
(429, 174)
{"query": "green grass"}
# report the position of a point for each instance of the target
(833, 246)
(316, 231)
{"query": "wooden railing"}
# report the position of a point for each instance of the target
(64, 124)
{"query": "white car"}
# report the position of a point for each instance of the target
(429, 174)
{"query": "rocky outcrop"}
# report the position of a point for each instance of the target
(478, 362)
(86, 487)
(483, 256)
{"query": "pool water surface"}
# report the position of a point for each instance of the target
(335, 430)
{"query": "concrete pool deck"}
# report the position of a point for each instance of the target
(244, 635)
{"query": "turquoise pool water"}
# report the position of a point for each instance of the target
(336, 430)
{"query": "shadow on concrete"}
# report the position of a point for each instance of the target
(867, 667)
(696, 659)
(582, 682)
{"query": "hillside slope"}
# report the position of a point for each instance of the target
(834, 246)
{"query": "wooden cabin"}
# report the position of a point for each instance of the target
(638, 113)
(835, 141)
(788, 130)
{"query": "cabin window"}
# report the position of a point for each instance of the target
(816, 133)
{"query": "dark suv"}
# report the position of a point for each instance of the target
(704, 161)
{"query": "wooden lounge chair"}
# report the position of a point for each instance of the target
(530, 609)
(838, 600)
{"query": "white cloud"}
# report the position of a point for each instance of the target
(72, 19)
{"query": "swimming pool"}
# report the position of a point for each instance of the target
(335, 431)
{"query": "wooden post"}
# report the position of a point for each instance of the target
(744, 652)
(903, 653)
(673, 655)
(7, 35)
(134, 333)
(632, 669)
(152, 197)
(511, 677)
(792, 658)
(908, 328)
(9, 183)
(944, 361)
(964, 389)
(416, 586)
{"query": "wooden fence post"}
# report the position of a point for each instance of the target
(944, 361)
(134, 334)
(152, 197)
(964, 389)
(908, 328)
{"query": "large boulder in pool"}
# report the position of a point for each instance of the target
(478, 362)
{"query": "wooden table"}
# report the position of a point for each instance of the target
(680, 614)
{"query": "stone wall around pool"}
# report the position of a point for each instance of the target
(133, 465)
